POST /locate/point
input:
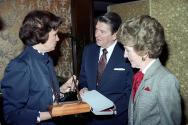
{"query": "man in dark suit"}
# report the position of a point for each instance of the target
(115, 80)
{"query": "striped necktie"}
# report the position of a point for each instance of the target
(101, 65)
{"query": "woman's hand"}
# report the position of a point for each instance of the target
(70, 85)
(43, 116)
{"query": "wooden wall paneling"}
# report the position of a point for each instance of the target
(82, 29)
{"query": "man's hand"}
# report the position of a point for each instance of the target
(83, 90)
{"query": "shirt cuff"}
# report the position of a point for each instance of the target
(38, 117)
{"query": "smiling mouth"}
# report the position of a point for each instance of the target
(98, 40)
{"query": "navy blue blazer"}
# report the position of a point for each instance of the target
(116, 81)
(27, 89)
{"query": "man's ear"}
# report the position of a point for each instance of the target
(114, 36)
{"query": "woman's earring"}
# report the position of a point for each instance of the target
(143, 59)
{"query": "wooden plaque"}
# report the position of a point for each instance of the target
(69, 108)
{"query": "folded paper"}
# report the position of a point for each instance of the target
(100, 105)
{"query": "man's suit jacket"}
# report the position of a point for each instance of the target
(157, 101)
(27, 89)
(116, 81)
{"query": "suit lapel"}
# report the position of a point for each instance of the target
(149, 73)
(111, 63)
(94, 53)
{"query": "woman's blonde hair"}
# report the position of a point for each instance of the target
(145, 34)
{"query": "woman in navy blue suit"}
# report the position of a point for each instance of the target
(30, 85)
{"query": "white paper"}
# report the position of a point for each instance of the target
(98, 103)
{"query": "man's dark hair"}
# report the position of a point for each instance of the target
(111, 18)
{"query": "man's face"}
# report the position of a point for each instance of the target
(103, 35)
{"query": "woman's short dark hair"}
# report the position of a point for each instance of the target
(145, 34)
(112, 19)
(37, 25)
